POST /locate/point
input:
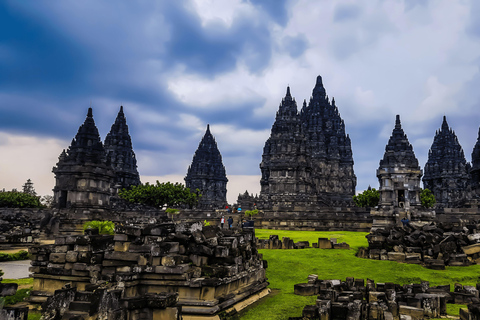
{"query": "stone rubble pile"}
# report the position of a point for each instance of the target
(11, 313)
(355, 299)
(23, 226)
(433, 245)
(209, 269)
(273, 242)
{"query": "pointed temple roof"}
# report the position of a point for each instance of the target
(207, 161)
(476, 153)
(445, 149)
(446, 170)
(120, 155)
(399, 150)
(86, 146)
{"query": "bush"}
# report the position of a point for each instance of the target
(160, 194)
(251, 213)
(17, 297)
(21, 255)
(427, 198)
(368, 198)
(14, 199)
(104, 227)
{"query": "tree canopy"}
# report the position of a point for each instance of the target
(15, 199)
(427, 198)
(368, 198)
(161, 194)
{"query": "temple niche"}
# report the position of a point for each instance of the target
(207, 173)
(446, 171)
(82, 176)
(120, 155)
(307, 161)
(399, 173)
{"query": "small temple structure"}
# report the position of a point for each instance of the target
(399, 173)
(207, 173)
(120, 155)
(446, 171)
(307, 161)
(82, 176)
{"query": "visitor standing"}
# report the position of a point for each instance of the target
(222, 221)
(230, 222)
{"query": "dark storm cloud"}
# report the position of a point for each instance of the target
(216, 48)
(35, 56)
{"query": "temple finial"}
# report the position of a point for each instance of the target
(397, 122)
(288, 92)
(90, 112)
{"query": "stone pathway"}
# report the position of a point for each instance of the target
(15, 269)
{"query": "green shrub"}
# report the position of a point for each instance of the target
(427, 198)
(14, 199)
(21, 255)
(161, 194)
(104, 227)
(251, 213)
(368, 198)
(17, 297)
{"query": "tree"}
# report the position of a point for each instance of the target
(47, 201)
(427, 198)
(368, 198)
(15, 199)
(28, 188)
(251, 213)
(161, 194)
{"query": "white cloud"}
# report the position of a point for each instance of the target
(25, 157)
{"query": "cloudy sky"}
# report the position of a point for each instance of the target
(176, 66)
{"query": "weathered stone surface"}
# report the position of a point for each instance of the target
(446, 171)
(207, 173)
(307, 161)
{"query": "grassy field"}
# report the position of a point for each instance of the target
(289, 267)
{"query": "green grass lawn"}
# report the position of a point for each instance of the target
(289, 267)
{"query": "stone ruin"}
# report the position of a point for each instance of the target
(11, 312)
(273, 242)
(143, 271)
(433, 245)
(355, 299)
(247, 201)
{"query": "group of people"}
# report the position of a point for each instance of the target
(229, 221)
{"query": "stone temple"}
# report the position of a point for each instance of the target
(475, 170)
(399, 173)
(307, 161)
(207, 173)
(86, 173)
(446, 171)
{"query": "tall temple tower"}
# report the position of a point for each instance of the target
(330, 149)
(120, 155)
(399, 173)
(207, 173)
(446, 171)
(475, 170)
(285, 166)
(82, 175)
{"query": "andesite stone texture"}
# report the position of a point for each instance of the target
(88, 172)
(120, 155)
(475, 170)
(399, 173)
(307, 161)
(207, 173)
(446, 171)
(82, 175)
